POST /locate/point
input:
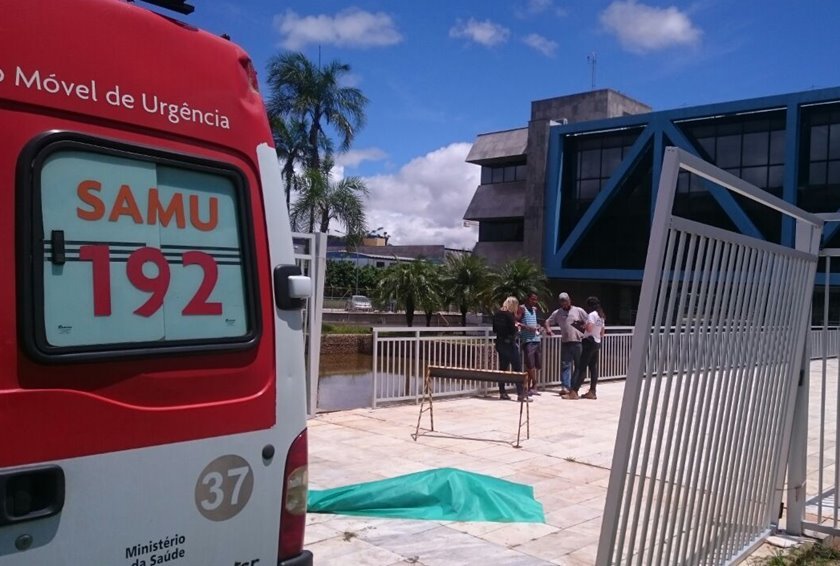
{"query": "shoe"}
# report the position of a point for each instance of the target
(504, 397)
(573, 395)
(563, 391)
(534, 392)
(589, 395)
(524, 399)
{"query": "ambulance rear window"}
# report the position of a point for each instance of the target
(135, 251)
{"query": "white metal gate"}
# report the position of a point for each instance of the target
(708, 403)
(311, 257)
(814, 476)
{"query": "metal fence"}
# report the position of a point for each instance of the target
(706, 417)
(814, 477)
(824, 342)
(819, 511)
(311, 257)
(401, 355)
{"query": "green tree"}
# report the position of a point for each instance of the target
(344, 278)
(290, 142)
(410, 284)
(432, 300)
(313, 95)
(321, 201)
(517, 278)
(368, 276)
(340, 276)
(466, 279)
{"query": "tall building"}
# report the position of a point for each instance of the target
(508, 204)
(588, 194)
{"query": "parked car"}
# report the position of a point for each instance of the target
(358, 303)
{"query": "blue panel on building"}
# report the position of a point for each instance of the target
(601, 177)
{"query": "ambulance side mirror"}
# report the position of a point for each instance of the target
(290, 287)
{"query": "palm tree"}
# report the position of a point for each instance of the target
(290, 142)
(313, 95)
(321, 201)
(517, 278)
(432, 299)
(466, 280)
(410, 284)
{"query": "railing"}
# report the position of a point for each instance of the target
(824, 341)
(400, 357)
(820, 511)
(401, 354)
(615, 352)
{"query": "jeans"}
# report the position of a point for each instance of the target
(509, 360)
(569, 356)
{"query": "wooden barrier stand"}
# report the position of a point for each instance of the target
(487, 375)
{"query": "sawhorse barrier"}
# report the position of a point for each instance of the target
(484, 375)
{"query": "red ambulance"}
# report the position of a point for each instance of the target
(152, 386)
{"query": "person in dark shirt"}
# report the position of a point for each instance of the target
(506, 328)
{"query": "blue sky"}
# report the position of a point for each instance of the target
(438, 73)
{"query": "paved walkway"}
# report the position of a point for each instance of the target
(566, 460)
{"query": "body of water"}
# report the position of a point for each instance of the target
(345, 381)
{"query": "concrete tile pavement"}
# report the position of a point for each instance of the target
(563, 461)
(566, 460)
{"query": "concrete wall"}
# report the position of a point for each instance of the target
(332, 344)
(581, 107)
(498, 253)
(594, 105)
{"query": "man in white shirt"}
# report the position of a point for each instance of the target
(572, 323)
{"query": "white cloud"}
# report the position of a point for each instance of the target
(349, 28)
(424, 202)
(537, 7)
(353, 157)
(486, 33)
(641, 28)
(541, 44)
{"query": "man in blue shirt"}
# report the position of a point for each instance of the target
(529, 335)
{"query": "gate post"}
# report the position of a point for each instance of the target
(798, 453)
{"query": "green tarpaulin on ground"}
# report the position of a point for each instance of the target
(442, 494)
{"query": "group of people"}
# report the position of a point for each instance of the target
(518, 337)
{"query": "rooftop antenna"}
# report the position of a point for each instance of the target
(592, 60)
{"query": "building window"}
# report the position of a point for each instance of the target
(819, 171)
(594, 158)
(751, 147)
(819, 163)
(823, 146)
(597, 158)
(618, 237)
(508, 230)
(502, 173)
